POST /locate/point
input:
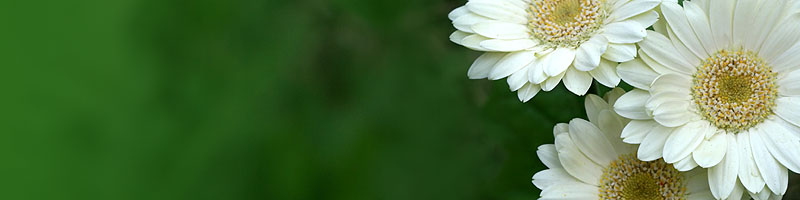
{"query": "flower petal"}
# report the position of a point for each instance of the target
(684, 140)
(620, 52)
(711, 151)
(636, 130)
(589, 53)
(483, 65)
(631, 105)
(577, 82)
(558, 61)
(652, 146)
(511, 63)
(575, 162)
(508, 45)
(624, 32)
(722, 177)
(527, 92)
(775, 176)
(592, 142)
(748, 172)
(606, 74)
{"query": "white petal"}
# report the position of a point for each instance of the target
(671, 83)
(508, 45)
(788, 108)
(536, 71)
(567, 191)
(788, 84)
(652, 146)
(549, 156)
(722, 177)
(560, 128)
(775, 175)
(748, 172)
(465, 22)
(511, 63)
(592, 142)
(620, 52)
(552, 82)
(665, 97)
(783, 146)
(743, 20)
(646, 19)
(676, 20)
(458, 12)
(721, 19)
(612, 96)
(550, 177)
(588, 54)
(631, 105)
(558, 61)
(499, 10)
(788, 61)
(684, 140)
(577, 82)
(501, 30)
(767, 17)
(483, 65)
(657, 67)
(699, 22)
(633, 8)
(685, 164)
(660, 49)
(458, 36)
(624, 32)
(636, 130)
(518, 79)
(637, 74)
(606, 74)
(682, 50)
(711, 151)
(673, 114)
(474, 42)
(594, 104)
(780, 40)
(611, 125)
(527, 92)
(575, 162)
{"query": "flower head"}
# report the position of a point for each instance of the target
(717, 88)
(590, 161)
(537, 43)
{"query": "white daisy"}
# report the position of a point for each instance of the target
(590, 161)
(536, 43)
(718, 87)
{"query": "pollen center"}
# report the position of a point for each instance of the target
(734, 90)
(565, 23)
(630, 178)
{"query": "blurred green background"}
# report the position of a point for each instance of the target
(258, 99)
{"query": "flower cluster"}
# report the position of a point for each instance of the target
(714, 112)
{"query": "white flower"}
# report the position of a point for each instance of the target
(718, 87)
(590, 161)
(536, 43)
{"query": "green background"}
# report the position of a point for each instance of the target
(258, 99)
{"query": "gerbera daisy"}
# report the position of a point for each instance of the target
(590, 161)
(536, 43)
(718, 87)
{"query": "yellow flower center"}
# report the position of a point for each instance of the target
(735, 90)
(630, 178)
(566, 23)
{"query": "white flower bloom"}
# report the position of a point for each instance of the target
(718, 88)
(590, 161)
(536, 43)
